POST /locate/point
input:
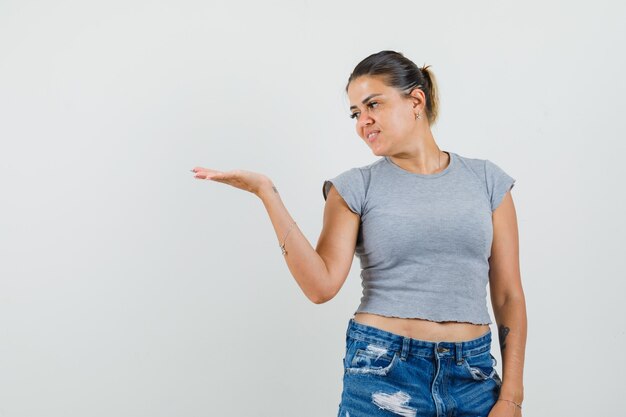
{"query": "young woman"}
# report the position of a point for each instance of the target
(431, 229)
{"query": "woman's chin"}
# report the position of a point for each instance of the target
(377, 151)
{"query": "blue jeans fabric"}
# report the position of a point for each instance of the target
(387, 374)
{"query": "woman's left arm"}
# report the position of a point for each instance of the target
(507, 299)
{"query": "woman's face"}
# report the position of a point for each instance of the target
(384, 118)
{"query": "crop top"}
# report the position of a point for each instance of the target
(424, 240)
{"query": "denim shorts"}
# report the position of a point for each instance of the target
(387, 374)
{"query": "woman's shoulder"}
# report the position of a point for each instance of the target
(479, 165)
(470, 159)
(363, 171)
(472, 164)
(371, 165)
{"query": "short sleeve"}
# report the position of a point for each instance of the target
(498, 183)
(350, 186)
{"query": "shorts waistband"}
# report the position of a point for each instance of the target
(407, 345)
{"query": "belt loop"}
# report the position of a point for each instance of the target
(459, 352)
(405, 347)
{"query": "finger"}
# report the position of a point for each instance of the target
(209, 176)
(205, 171)
(202, 175)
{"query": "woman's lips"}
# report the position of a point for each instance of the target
(372, 136)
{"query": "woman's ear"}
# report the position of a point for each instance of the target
(417, 97)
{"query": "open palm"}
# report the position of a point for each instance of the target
(239, 178)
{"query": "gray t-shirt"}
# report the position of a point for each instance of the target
(424, 241)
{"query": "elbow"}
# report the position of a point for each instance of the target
(325, 289)
(319, 298)
(322, 297)
(500, 301)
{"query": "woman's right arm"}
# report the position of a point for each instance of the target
(319, 272)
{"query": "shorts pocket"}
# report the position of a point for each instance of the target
(369, 357)
(481, 367)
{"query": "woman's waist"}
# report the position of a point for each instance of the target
(423, 329)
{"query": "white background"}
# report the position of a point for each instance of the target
(129, 288)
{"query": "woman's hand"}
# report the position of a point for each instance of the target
(244, 180)
(505, 409)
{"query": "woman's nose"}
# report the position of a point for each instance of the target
(365, 119)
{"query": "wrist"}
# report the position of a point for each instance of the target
(266, 189)
(515, 394)
(515, 404)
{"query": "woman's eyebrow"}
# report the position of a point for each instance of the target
(366, 99)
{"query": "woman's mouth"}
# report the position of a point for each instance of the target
(372, 136)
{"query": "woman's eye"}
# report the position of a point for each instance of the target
(370, 105)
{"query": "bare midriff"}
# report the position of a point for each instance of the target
(448, 331)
